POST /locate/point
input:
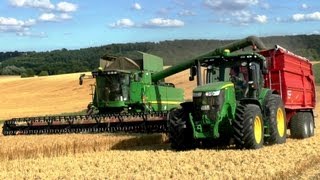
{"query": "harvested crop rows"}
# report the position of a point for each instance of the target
(108, 156)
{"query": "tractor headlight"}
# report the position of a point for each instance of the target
(197, 94)
(213, 93)
(205, 107)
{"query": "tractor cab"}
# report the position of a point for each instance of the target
(242, 71)
(227, 80)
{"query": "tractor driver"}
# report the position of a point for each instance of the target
(239, 76)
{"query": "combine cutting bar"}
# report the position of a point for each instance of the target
(138, 123)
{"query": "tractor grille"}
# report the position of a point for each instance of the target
(214, 103)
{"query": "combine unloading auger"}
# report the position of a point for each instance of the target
(129, 96)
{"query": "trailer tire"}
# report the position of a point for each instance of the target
(276, 117)
(248, 127)
(310, 120)
(299, 126)
(180, 131)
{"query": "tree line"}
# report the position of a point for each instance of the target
(173, 52)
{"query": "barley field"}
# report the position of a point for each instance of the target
(129, 156)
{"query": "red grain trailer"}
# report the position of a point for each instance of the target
(292, 77)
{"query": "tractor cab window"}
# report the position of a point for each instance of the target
(256, 79)
(239, 76)
(211, 74)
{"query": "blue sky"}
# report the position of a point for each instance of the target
(41, 25)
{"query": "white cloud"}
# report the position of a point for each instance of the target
(265, 5)
(238, 11)
(304, 6)
(30, 34)
(12, 25)
(51, 17)
(65, 16)
(160, 22)
(307, 17)
(30, 22)
(66, 7)
(7, 21)
(220, 5)
(244, 18)
(10, 21)
(43, 4)
(136, 6)
(164, 11)
(261, 18)
(48, 17)
(187, 13)
(123, 23)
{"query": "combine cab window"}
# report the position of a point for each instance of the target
(113, 87)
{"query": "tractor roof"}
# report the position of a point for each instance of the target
(231, 58)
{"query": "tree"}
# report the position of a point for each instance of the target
(43, 73)
(12, 70)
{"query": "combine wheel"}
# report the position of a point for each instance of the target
(248, 127)
(180, 132)
(276, 118)
(300, 125)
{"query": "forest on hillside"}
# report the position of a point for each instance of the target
(86, 59)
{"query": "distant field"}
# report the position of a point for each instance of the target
(47, 95)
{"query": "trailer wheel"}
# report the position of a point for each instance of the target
(310, 120)
(180, 132)
(248, 127)
(276, 117)
(300, 126)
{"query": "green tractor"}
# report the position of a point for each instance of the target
(230, 104)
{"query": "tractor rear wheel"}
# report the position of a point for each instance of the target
(248, 127)
(276, 117)
(180, 131)
(300, 125)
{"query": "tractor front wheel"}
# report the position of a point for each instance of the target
(248, 127)
(180, 131)
(276, 117)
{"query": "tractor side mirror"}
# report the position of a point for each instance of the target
(264, 67)
(193, 72)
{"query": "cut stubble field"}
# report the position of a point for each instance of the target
(129, 156)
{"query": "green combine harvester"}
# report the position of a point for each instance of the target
(131, 96)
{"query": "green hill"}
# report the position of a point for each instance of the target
(86, 59)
